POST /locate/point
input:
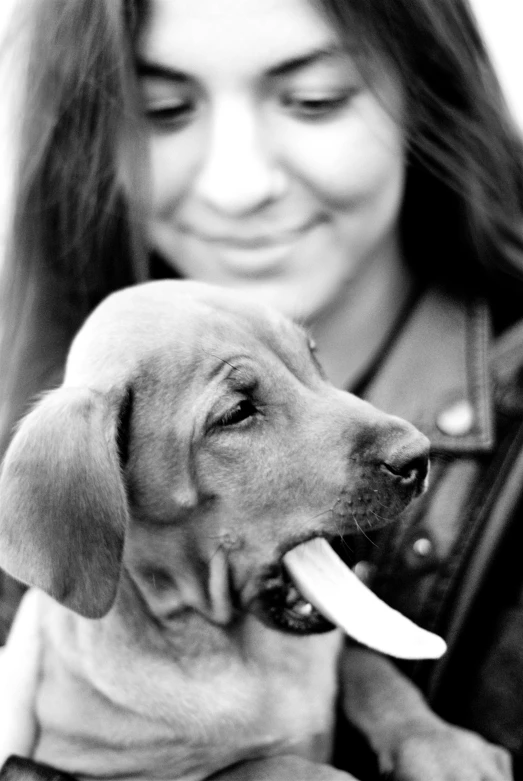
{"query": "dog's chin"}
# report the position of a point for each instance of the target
(279, 605)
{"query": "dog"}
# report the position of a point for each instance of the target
(152, 501)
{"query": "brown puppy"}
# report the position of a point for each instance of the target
(194, 442)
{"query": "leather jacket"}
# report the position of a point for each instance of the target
(453, 564)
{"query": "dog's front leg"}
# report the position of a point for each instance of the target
(19, 675)
(411, 742)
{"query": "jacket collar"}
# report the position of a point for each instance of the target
(437, 376)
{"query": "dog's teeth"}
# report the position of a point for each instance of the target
(304, 609)
(297, 604)
(335, 591)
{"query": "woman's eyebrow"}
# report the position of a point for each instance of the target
(293, 64)
(287, 67)
(155, 70)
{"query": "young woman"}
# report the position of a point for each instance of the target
(353, 163)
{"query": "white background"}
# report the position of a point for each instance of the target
(502, 24)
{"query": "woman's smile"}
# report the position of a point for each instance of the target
(253, 238)
(255, 254)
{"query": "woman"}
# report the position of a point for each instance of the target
(353, 163)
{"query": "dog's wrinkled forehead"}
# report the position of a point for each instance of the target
(137, 323)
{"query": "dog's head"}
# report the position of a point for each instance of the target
(194, 441)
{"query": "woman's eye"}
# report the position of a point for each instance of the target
(241, 412)
(169, 115)
(316, 107)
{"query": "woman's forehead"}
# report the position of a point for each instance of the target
(247, 35)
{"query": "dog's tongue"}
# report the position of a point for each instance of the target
(335, 591)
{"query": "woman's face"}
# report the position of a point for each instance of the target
(276, 168)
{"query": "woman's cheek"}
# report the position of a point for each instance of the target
(350, 157)
(173, 162)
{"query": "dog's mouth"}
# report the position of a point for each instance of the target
(312, 590)
(282, 605)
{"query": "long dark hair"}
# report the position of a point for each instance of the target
(463, 211)
(77, 224)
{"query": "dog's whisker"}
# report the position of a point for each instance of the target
(319, 515)
(362, 531)
(340, 530)
(382, 518)
(381, 504)
(344, 544)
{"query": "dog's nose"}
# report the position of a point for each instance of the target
(408, 468)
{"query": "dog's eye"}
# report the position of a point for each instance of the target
(240, 412)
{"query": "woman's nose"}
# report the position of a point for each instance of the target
(239, 172)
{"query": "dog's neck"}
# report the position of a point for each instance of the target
(173, 575)
(191, 702)
(201, 595)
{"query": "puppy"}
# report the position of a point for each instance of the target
(194, 449)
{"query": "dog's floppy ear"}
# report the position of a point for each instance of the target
(63, 506)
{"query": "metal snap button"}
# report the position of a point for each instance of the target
(423, 547)
(420, 554)
(364, 570)
(457, 420)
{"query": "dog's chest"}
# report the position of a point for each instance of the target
(106, 710)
